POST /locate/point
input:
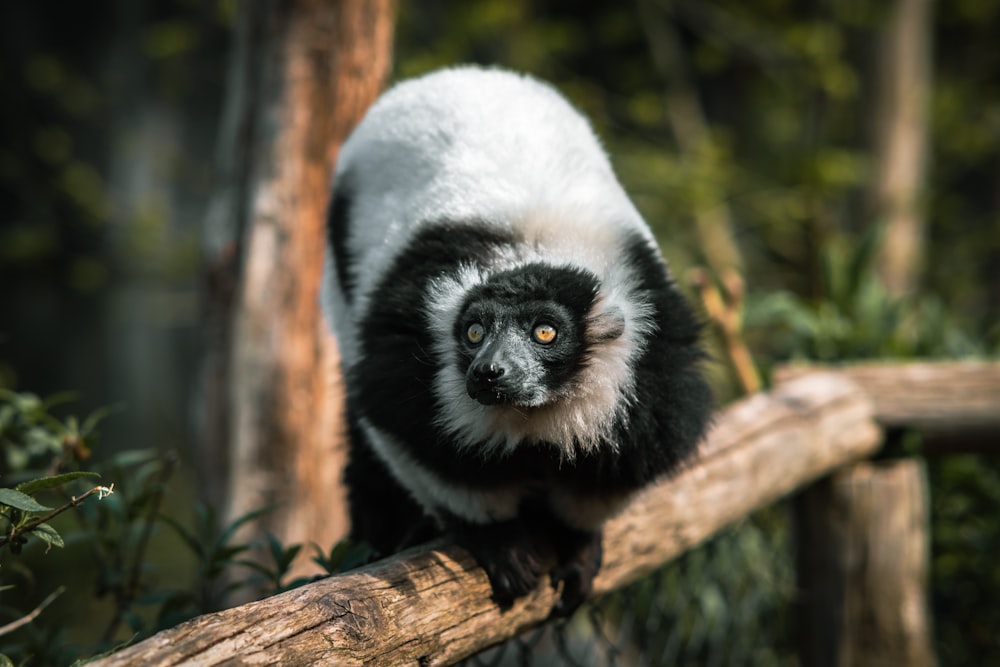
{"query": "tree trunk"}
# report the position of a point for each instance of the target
(302, 75)
(901, 138)
(864, 550)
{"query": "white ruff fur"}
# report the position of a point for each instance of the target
(433, 493)
(583, 415)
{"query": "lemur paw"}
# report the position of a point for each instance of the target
(576, 574)
(512, 560)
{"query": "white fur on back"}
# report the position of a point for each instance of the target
(490, 147)
(470, 144)
(434, 493)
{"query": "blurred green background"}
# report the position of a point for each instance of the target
(110, 108)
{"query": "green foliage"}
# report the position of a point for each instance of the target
(29, 434)
(344, 555)
(964, 544)
(854, 317)
(112, 539)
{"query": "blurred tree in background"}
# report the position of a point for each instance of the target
(747, 133)
(105, 144)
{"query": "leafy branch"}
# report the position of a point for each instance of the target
(26, 516)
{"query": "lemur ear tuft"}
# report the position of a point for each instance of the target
(605, 326)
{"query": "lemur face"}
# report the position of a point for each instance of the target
(521, 335)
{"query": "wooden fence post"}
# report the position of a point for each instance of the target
(863, 552)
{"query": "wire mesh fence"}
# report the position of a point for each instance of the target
(728, 601)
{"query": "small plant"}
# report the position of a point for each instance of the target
(43, 474)
(43, 454)
(855, 317)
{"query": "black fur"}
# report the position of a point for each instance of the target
(395, 372)
(337, 219)
(371, 505)
(663, 428)
(390, 384)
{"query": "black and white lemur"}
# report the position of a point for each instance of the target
(518, 360)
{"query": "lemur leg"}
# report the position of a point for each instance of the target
(579, 555)
(513, 555)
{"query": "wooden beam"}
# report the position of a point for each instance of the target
(954, 404)
(864, 553)
(431, 606)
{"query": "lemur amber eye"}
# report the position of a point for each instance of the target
(475, 333)
(544, 334)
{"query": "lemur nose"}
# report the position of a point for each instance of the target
(488, 372)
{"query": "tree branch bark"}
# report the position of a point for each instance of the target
(953, 404)
(431, 606)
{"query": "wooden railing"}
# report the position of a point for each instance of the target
(431, 605)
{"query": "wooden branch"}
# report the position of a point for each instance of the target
(726, 313)
(954, 404)
(431, 606)
(32, 615)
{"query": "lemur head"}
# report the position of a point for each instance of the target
(524, 334)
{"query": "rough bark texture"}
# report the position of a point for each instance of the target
(901, 138)
(864, 549)
(954, 404)
(431, 606)
(303, 73)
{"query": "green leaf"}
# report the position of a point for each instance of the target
(256, 567)
(59, 398)
(97, 416)
(282, 556)
(187, 536)
(231, 529)
(275, 547)
(288, 556)
(344, 555)
(862, 261)
(45, 483)
(134, 621)
(223, 555)
(21, 501)
(48, 534)
(131, 457)
(358, 555)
